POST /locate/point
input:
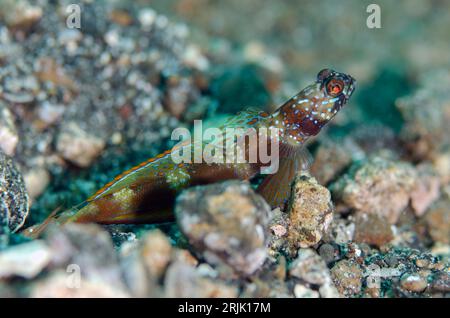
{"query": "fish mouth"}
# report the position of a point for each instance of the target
(351, 84)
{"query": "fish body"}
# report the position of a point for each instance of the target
(146, 193)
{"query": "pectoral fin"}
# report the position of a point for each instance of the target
(276, 188)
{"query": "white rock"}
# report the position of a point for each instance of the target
(26, 260)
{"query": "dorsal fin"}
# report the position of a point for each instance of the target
(245, 118)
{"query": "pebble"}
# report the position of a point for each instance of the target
(147, 17)
(184, 281)
(425, 191)
(310, 212)
(278, 226)
(441, 282)
(36, 181)
(310, 267)
(135, 273)
(437, 220)
(329, 290)
(226, 223)
(59, 285)
(9, 137)
(347, 276)
(301, 291)
(78, 146)
(21, 14)
(413, 282)
(341, 231)
(328, 253)
(26, 260)
(156, 252)
(378, 185)
(372, 229)
(441, 164)
(89, 247)
(14, 201)
(330, 159)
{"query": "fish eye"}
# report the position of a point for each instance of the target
(334, 87)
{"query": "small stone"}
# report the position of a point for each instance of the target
(48, 114)
(330, 159)
(14, 202)
(278, 230)
(328, 290)
(21, 14)
(310, 212)
(278, 226)
(341, 231)
(441, 163)
(425, 191)
(177, 96)
(438, 221)
(422, 262)
(413, 282)
(184, 256)
(112, 38)
(78, 146)
(194, 58)
(9, 137)
(378, 185)
(301, 291)
(121, 17)
(134, 272)
(90, 248)
(441, 282)
(440, 250)
(347, 276)
(372, 229)
(58, 285)
(226, 223)
(328, 253)
(49, 70)
(372, 292)
(184, 281)
(156, 252)
(36, 181)
(67, 36)
(147, 17)
(310, 267)
(26, 260)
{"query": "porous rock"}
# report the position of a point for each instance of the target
(310, 212)
(378, 185)
(14, 203)
(226, 223)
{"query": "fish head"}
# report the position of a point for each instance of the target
(309, 111)
(336, 89)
